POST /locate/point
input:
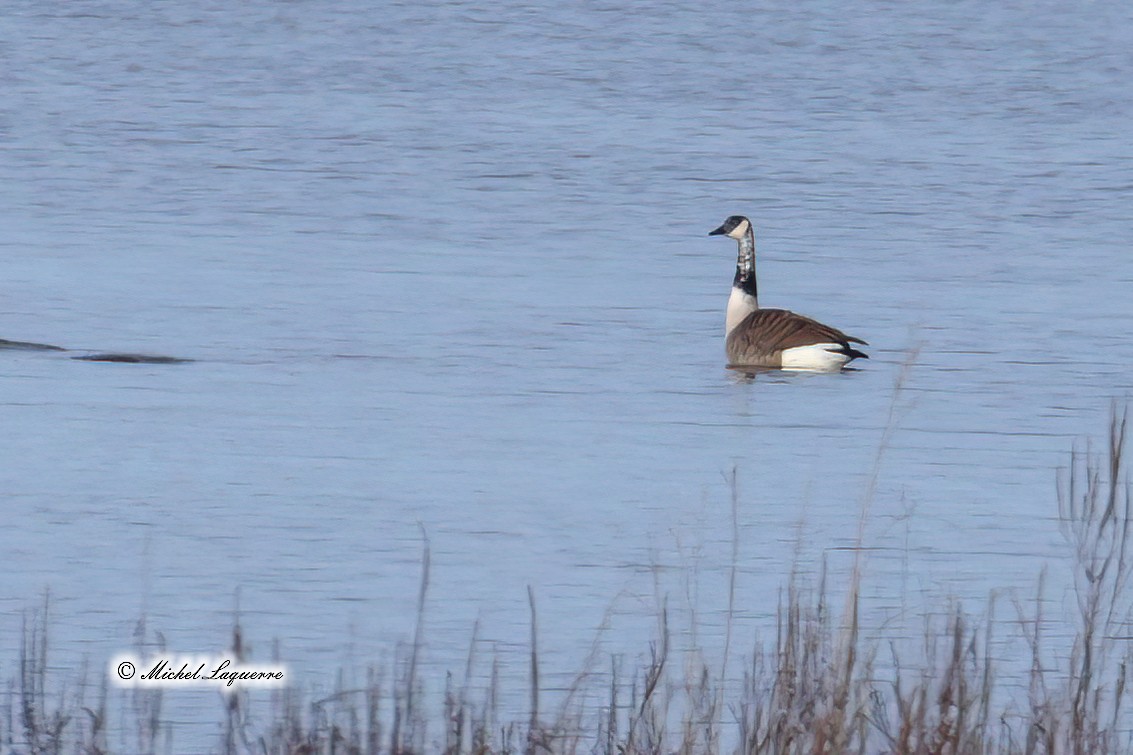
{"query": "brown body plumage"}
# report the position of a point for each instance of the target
(761, 338)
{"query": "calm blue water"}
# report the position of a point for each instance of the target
(444, 267)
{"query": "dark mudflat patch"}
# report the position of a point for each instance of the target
(132, 358)
(28, 346)
(102, 356)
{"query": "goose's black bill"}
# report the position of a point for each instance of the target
(728, 226)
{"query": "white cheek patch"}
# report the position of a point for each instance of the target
(739, 231)
(818, 357)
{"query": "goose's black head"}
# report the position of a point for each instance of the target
(734, 227)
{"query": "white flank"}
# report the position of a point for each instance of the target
(740, 305)
(820, 357)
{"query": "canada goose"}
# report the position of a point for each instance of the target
(775, 338)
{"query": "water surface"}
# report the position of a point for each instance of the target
(444, 268)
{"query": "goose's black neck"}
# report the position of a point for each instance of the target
(745, 282)
(745, 265)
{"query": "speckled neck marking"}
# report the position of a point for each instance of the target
(745, 264)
